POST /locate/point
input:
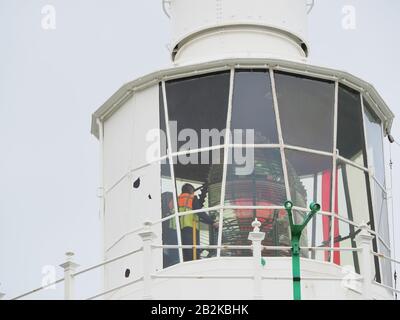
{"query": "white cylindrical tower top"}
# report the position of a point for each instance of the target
(204, 30)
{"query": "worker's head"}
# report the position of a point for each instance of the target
(188, 188)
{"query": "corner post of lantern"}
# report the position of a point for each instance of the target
(366, 266)
(256, 237)
(69, 269)
(296, 230)
(147, 236)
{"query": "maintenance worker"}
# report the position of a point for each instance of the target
(169, 234)
(190, 224)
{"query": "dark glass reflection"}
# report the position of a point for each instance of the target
(254, 178)
(169, 230)
(350, 134)
(309, 178)
(373, 130)
(253, 106)
(306, 109)
(198, 103)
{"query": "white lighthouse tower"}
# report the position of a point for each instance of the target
(241, 66)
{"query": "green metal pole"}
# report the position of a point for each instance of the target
(296, 268)
(296, 230)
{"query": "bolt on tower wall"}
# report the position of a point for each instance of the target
(219, 29)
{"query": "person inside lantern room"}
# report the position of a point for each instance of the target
(169, 234)
(190, 223)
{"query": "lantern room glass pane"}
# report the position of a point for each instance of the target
(237, 225)
(169, 230)
(310, 178)
(208, 235)
(381, 212)
(373, 128)
(198, 104)
(306, 110)
(346, 236)
(253, 106)
(203, 171)
(317, 234)
(254, 178)
(350, 133)
(353, 199)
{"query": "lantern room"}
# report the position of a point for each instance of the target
(247, 138)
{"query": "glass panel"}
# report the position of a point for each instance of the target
(353, 200)
(169, 230)
(346, 237)
(254, 178)
(235, 232)
(237, 225)
(204, 172)
(306, 109)
(386, 265)
(317, 234)
(309, 178)
(253, 106)
(381, 212)
(375, 143)
(208, 235)
(350, 134)
(199, 104)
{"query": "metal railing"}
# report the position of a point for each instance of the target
(147, 236)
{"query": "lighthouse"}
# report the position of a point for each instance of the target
(242, 118)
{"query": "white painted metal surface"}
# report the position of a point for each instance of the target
(216, 35)
(217, 29)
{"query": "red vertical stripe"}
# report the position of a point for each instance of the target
(336, 255)
(326, 206)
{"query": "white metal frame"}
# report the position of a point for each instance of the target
(270, 68)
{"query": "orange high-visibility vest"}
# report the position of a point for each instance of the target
(185, 203)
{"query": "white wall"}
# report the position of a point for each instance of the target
(126, 207)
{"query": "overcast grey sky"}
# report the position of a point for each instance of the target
(52, 80)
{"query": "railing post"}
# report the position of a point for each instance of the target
(69, 269)
(147, 236)
(256, 237)
(365, 239)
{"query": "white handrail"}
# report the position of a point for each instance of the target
(107, 262)
(115, 289)
(283, 248)
(210, 247)
(381, 255)
(38, 289)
